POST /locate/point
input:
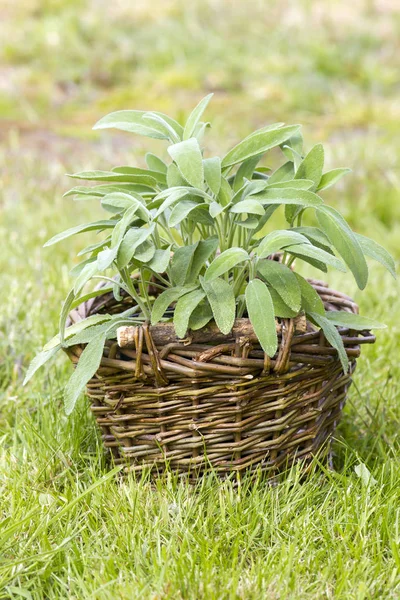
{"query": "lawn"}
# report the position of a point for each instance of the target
(70, 526)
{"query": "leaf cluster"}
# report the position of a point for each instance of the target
(193, 229)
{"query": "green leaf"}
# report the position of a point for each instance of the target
(201, 315)
(312, 165)
(333, 337)
(145, 251)
(155, 163)
(212, 173)
(181, 263)
(132, 239)
(174, 177)
(164, 300)
(288, 196)
(131, 121)
(96, 225)
(202, 253)
(222, 301)
(282, 280)
(127, 170)
(143, 179)
(188, 158)
(161, 125)
(307, 250)
(293, 148)
(195, 117)
(225, 193)
(284, 173)
(160, 260)
(225, 262)
(280, 308)
(85, 275)
(310, 300)
(377, 252)
(277, 240)
(40, 359)
(106, 257)
(261, 314)
(339, 233)
(77, 327)
(101, 190)
(89, 362)
(245, 171)
(123, 224)
(182, 210)
(250, 206)
(314, 235)
(258, 143)
(353, 321)
(216, 209)
(297, 184)
(331, 177)
(90, 295)
(183, 310)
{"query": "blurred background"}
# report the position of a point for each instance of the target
(332, 66)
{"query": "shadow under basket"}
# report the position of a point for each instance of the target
(217, 402)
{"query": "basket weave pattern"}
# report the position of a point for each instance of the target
(194, 405)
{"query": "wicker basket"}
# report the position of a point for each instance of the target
(215, 401)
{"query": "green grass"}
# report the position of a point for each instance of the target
(69, 527)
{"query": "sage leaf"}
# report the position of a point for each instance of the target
(377, 252)
(280, 308)
(277, 240)
(212, 173)
(353, 321)
(183, 310)
(133, 122)
(308, 250)
(181, 263)
(174, 177)
(245, 171)
(201, 315)
(131, 240)
(331, 177)
(96, 225)
(160, 260)
(258, 143)
(89, 362)
(282, 280)
(298, 184)
(284, 173)
(342, 238)
(312, 165)
(333, 337)
(310, 300)
(273, 195)
(188, 158)
(195, 117)
(39, 360)
(182, 210)
(222, 301)
(203, 251)
(225, 262)
(155, 163)
(165, 299)
(260, 309)
(250, 206)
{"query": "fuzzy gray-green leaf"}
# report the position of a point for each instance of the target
(222, 301)
(343, 239)
(188, 158)
(260, 309)
(183, 310)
